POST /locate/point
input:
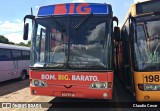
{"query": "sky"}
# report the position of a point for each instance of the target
(12, 13)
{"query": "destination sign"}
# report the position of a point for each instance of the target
(147, 7)
(73, 8)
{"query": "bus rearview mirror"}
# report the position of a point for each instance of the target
(117, 34)
(25, 32)
(116, 19)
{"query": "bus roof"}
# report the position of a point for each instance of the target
(143, 8)
(74, 9)
(8, 46)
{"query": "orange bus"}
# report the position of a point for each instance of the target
(72, 50)
(139, 51)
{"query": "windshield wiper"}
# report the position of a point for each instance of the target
(82, 21)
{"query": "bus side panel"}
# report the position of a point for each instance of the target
(26, 65)
(6, 70)
(21, 65)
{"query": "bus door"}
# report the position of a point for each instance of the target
(25, 60)
(16, 55)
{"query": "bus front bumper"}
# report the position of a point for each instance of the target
(150, 96)
(74, 92)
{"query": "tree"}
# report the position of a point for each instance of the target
(4, 39)
(21, 44)
(12, 43)
(29, 43)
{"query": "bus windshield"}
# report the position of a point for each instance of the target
(147, 48)
(58, 44)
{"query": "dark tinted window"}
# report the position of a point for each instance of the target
(25, 55)
(5, 55)
(17, 55)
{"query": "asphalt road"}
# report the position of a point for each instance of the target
(18, 91)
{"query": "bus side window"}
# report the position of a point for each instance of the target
(5, 55)
(25, 55)
(16, 54)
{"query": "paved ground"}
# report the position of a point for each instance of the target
(18, 91)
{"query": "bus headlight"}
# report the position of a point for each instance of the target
(151, 87)
(38, 83)
(98, 85)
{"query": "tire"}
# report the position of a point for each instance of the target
(23, 75)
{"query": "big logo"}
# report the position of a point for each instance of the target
(80, 8)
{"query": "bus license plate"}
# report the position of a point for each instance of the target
(67, 94)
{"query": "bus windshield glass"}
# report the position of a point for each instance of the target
(147, 47)
(58, 44)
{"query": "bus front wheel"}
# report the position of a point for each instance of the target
(23, 75)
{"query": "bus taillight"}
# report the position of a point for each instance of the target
(109, 84)
(140, 86)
